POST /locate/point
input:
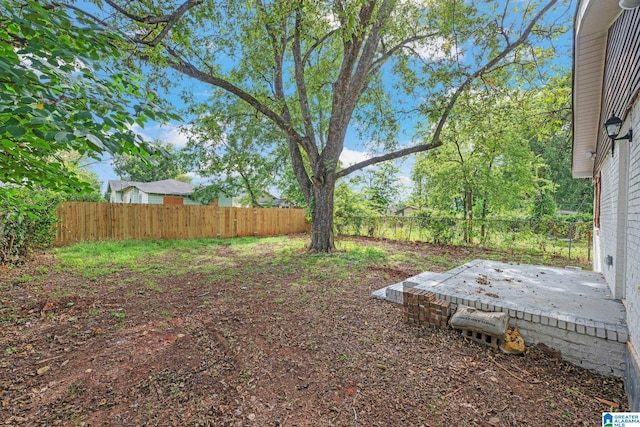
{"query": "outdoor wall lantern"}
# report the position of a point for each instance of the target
(612, 126)
(629, 4)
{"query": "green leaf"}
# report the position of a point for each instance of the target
(16, 131)
(95, 141)
(63, 137)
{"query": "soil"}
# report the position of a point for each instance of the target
(257, 338)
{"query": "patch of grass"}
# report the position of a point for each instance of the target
(166, 314)
(75, 389)
(126, 252)
(62, 292)
(25, 278)
(119, 314)
(41, 270)
(153, 286)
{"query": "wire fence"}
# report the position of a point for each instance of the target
(571, 240)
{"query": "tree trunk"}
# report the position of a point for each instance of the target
(483, 231)
(322, 217)
(468, 215)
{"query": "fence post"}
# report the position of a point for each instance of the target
(569, 230)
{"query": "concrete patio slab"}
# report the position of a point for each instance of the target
(570, 310)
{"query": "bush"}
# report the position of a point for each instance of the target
(27, 219)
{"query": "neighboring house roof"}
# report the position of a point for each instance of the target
(114, 185)
(165, 187)
(592, 21)
(407, 207)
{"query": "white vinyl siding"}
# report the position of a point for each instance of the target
(155, 199)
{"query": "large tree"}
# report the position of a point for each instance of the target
(316, 69)
(59, 95)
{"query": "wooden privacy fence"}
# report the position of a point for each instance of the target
(86, 221)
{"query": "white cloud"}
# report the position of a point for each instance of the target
(176, 134)
(350, 157)
(437, 49)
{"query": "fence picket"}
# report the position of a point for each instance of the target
(88, 221)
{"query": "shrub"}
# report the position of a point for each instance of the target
(27, 219)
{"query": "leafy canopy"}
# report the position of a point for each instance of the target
(58, 94)
(167, 165)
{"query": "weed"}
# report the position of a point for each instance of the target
(153, 286)
(572, 390)
(75, 389)
(175, 389)
(41, 270)
(25, 278)
(232, 342)
(10, 350)
(119, 314)
(278, 300)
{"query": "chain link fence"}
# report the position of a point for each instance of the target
(571, 240)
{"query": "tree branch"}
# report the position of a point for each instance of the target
(385, 157)
(387, 54)
(318, 42)
(301, 85)
(168, 19)
(184, 67)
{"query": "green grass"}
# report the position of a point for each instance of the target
(128, 252)
(227, 259)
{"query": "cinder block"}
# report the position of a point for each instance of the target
(571, 327)
(581, 329)
(519, 314)
(622, 336)
(601, 333)
(562, 324)
(553, 322)
(535, 318)
(544, 320)
(527, 316)
(512, 313)
(591, 331)
(612, 335)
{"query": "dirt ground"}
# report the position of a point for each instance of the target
(258, 335)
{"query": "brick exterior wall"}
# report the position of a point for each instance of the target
(619, 236)
(608, 232)
(632, 273)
